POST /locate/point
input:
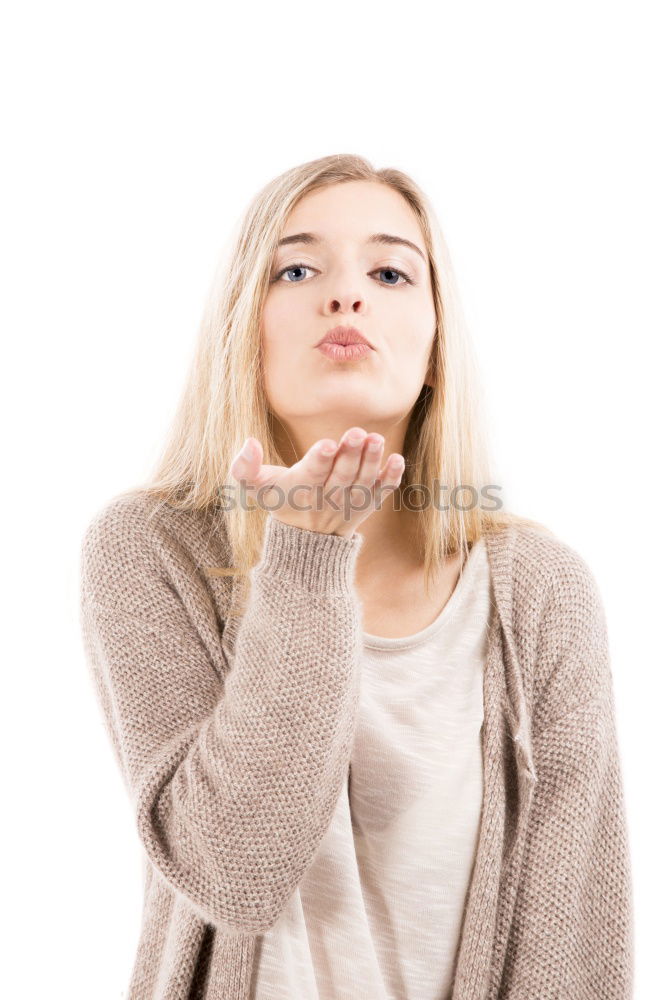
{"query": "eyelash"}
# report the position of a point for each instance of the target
(307, 267)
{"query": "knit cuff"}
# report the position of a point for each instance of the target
(311, 559)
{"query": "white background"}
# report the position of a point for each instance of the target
(135, 134)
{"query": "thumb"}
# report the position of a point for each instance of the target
(247, 466)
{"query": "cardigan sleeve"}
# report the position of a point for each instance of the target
(572, 930)
(233, 781)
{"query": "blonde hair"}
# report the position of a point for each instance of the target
(224, 402)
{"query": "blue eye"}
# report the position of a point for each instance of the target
(393, 270)
(304, 267)
(293, 267)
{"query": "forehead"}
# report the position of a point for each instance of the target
(353, 210)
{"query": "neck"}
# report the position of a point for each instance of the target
(389, 535)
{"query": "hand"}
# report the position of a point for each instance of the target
(346, 466)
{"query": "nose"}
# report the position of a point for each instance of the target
(350, 297)
(340, 305)
(350, 302)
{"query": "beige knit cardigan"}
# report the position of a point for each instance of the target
(234, 736)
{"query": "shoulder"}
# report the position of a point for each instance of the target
(558, 621)
(121, 532)
(549, 570)
(135, 538)
(533, 566)
(560, 570)
(124, 518)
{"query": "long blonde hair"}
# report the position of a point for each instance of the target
(224, 402)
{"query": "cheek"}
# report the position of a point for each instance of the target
(270, 322)
(422, 328)
(282, 360)
(411, 329)
(279, 324)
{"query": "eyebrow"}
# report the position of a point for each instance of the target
(383, 238)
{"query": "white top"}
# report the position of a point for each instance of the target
(378, 913)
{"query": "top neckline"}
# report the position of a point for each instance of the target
(462, 586)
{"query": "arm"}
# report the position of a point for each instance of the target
(234, 783)
(572, 931)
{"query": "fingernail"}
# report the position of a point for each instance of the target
(247, 449)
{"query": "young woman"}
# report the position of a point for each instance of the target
(365, 715)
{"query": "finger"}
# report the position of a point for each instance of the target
(268, 475)
(394, 467)
(389, 478)
(393, 471)
(363, 486)
(247, 463)
(370, 460)
(347, 461)
(316, 464)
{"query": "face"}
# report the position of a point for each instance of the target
(342, 277)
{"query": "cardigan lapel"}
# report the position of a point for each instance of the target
(505, 732)
(501, 548)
